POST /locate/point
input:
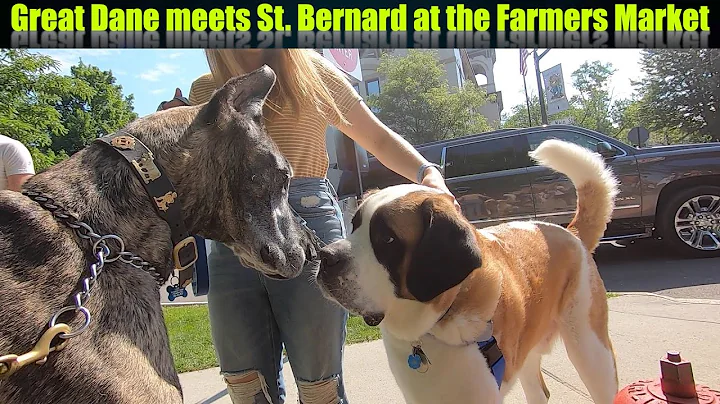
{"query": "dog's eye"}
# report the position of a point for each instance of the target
(389, 239)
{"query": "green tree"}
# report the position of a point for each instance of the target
(417, 102)
(30, 87)
(593, 107)
(681, 92)
(102, 110)
(518, 116)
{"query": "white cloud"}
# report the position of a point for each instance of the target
(158, 71)
(176, 55)
(158, 91)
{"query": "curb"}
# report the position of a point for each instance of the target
(672, 299)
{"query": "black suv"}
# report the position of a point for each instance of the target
(670, 192)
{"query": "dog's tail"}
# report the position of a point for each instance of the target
(595, 184)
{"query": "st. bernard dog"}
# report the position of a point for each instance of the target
(446, 295)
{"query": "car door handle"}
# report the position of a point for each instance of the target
(549, 178)
(461, 190)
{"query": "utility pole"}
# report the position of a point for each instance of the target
(541, 94)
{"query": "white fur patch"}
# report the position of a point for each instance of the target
(488, 235)
(524, 225)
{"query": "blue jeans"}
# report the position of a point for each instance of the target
(252, 316)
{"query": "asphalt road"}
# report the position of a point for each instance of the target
(648, 266)
(645, 266)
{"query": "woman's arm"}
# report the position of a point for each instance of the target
(391, 149)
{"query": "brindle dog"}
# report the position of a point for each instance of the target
(232, 182)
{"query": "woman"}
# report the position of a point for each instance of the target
(252, 316)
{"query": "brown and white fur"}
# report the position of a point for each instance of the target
(420, 269)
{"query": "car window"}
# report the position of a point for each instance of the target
(573, 137)
(483, 157)
(454, 157)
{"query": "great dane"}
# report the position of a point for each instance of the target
(88, 235)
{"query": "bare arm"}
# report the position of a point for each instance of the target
(18, 164)
(15, 182)
(391, 149)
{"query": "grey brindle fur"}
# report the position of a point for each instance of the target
(232, 182)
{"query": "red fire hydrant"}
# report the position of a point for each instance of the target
(676, 385)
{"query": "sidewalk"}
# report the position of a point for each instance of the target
(642, 327)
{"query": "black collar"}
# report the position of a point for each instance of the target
(163, 196)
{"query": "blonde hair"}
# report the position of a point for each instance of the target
(299, 84)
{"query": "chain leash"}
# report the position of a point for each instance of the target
(103, 254)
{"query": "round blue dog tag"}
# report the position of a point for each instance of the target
(414, 361)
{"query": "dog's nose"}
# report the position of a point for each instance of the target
(328, 258)
(270, 255)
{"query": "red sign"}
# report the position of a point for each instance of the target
(347, 59)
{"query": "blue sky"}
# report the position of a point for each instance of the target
(152, 75)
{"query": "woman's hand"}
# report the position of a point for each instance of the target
(434, 179)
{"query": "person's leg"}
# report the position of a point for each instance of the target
(245, 334)
(312, 327)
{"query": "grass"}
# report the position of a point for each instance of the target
(192, 346)
(191, 342)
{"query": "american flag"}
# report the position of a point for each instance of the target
(523, 61)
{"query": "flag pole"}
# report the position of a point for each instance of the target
(527, 102)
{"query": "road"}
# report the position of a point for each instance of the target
(645, 266)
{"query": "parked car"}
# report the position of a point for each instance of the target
(668, 192)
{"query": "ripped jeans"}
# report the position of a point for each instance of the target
(252, 317)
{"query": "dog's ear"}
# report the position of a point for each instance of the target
(446, 254)
(247, 93)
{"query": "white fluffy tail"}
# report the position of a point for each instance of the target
(594, 182)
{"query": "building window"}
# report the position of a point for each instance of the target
(373, 87)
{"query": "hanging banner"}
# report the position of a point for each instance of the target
(347, 60)
(555, 95)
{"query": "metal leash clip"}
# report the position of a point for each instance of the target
(10, 364)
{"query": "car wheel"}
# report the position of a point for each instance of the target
(690, 221)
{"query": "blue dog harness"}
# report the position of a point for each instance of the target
(489, 348)
(494, 358)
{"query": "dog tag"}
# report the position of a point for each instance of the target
(175, 291)
(417, 360)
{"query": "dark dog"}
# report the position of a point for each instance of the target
(232, 183)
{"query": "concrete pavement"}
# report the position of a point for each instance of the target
(642, 326)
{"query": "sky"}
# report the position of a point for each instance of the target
(152, 75)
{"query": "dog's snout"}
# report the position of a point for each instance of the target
(334, 257)
(270, 255)
(329, 258)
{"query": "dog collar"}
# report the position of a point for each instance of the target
(163, 196)
(489, 348)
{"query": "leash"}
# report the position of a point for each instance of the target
(184, 252)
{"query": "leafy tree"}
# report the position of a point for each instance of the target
(30, 87)
(681, 90)
(417, 102)
(518, 116)
(593, 107)
(102, 110)
(56, 115)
